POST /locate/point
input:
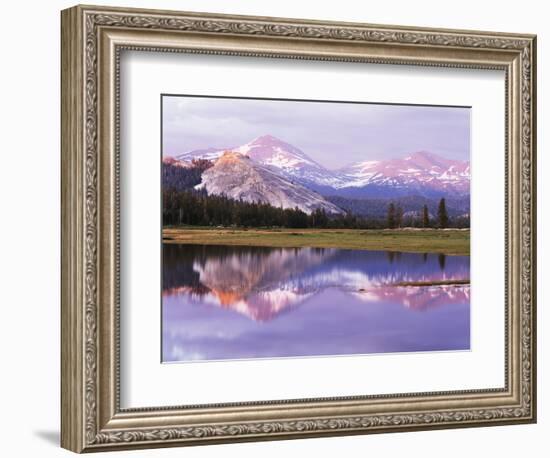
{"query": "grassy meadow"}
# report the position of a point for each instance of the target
(447, 241)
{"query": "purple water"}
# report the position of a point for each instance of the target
(222, 302)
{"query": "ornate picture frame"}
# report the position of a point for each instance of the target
(92, 41)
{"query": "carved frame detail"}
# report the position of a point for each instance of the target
(81, 108)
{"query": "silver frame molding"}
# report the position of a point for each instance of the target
(92, 40)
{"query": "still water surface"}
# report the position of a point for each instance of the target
(223, 302)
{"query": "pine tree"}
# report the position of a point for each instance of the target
(391, 216)
(442, 214)
(399, 216)
(425, 217)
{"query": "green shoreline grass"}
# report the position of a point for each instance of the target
(448, 241)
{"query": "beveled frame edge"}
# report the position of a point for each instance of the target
(91, 418)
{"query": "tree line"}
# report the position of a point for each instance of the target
(395, 218)
(197, 208)
(412, 205)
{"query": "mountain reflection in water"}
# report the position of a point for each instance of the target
(224, 302)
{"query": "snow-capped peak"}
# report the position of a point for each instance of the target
(269, 150)
(276, 154)
(418, 170)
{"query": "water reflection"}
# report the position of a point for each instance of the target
(222, 302)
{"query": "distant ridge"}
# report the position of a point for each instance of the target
(421, 173)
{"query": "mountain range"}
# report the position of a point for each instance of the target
(419, 173)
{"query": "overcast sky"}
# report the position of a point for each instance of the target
(333, 134)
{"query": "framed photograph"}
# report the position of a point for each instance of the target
(277, 228)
